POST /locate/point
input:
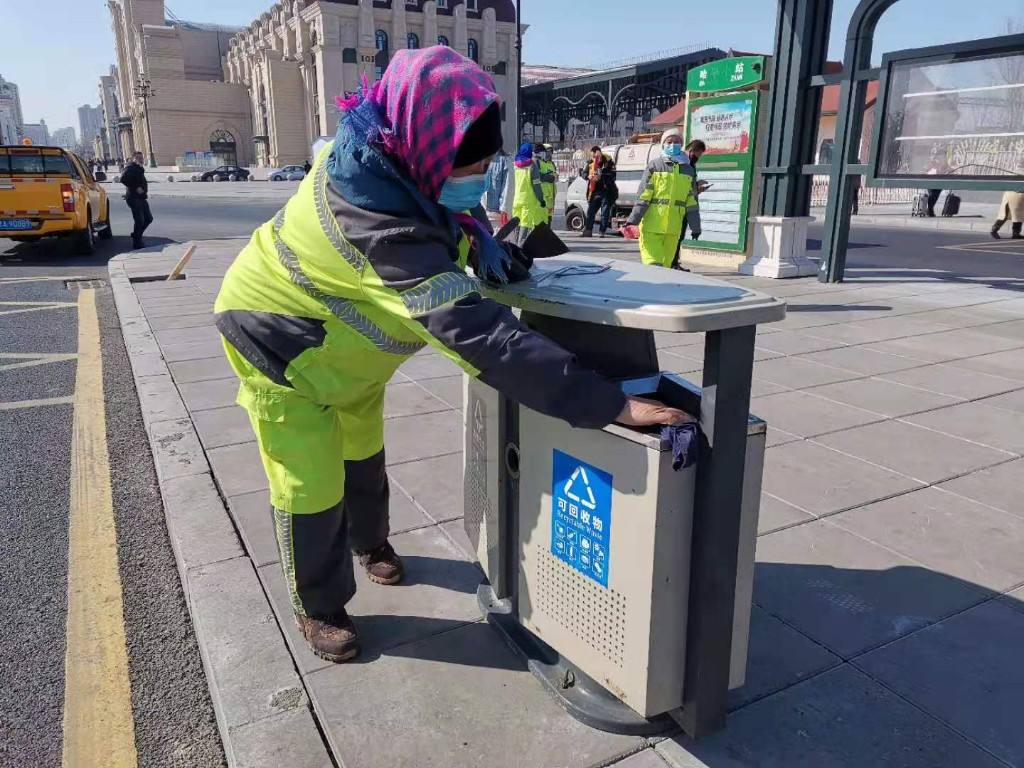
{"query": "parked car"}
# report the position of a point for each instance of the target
(226, 173)
(630, 163)
(50, 192)
(288, 173)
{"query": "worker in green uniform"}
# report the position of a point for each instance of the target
(548, 177)
(666, 198)
(362, 268)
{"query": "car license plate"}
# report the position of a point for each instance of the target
(15, 224)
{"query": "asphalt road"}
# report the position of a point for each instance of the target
(174, 721)
(173, 716)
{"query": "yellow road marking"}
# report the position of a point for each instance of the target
(15, 405)
(98, 725)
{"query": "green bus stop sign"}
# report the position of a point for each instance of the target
(726, 74)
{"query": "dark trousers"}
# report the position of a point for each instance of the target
(142, 216)
(933, 198)
(603, 204)
(1015, 227)
(316, 550)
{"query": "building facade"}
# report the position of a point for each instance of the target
(65, 137)
(39, 133)
(111, 110)
(173, 73)
(299, 55)
(10, 104)
(90, 124)
(9, 131)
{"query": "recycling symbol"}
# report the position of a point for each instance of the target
(589, 502)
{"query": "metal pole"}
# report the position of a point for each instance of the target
(519, 71)
(842, 186)
(149, 131)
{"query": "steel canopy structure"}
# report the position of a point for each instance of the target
(633, 91)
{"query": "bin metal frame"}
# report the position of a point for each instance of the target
(616, 337)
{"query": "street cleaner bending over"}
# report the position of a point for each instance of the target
(667, 197)
(362, 268)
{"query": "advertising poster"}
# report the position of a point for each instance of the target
(724, 127)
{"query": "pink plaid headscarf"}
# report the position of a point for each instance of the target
(428, 99)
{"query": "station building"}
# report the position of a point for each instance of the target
(298, 56)
(192, 108)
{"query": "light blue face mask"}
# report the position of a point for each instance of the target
(672, 151)
(461, 194)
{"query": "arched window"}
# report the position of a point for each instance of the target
(474, 50)
(381, 60)
(412, 41)
(442, 40)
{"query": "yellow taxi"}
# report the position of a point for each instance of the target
(50, 192)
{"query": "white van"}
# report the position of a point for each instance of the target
(630, 162)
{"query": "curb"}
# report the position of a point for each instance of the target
(263, 710)
(906, 222)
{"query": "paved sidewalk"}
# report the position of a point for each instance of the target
(973, 217)
(889, 591)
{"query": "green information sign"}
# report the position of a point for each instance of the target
(726, 74)
(727, 124)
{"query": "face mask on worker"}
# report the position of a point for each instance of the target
(461, 193)
(672, 151)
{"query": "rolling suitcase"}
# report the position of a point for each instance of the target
(920, 209)
(952, 205)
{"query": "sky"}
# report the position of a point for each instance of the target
(57, 58)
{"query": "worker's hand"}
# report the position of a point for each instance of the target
(641, 412)
(631, 232)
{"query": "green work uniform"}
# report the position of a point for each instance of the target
(548, 181)
(317, 312)
(665, 200)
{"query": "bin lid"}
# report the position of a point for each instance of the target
(606, 291)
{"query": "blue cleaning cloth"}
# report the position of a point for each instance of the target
(685, 442)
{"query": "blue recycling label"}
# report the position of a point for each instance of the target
(581, 516)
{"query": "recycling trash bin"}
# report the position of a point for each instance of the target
(625, 583)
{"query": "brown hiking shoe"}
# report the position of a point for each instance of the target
(382, 565)
(334, 639)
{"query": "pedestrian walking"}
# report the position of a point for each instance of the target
(667, 194)
(137, 197)
(528, 196)
(548, 177)
(362, 268)
(497, 183)
(1011, 207)
(602, 191)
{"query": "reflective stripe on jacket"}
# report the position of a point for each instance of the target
(329, 284)
(667, 195)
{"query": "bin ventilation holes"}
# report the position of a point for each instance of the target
(594, 614)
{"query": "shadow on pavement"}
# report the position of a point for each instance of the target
(58, 252)
(836, 307)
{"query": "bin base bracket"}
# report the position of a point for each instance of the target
(580, 695)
